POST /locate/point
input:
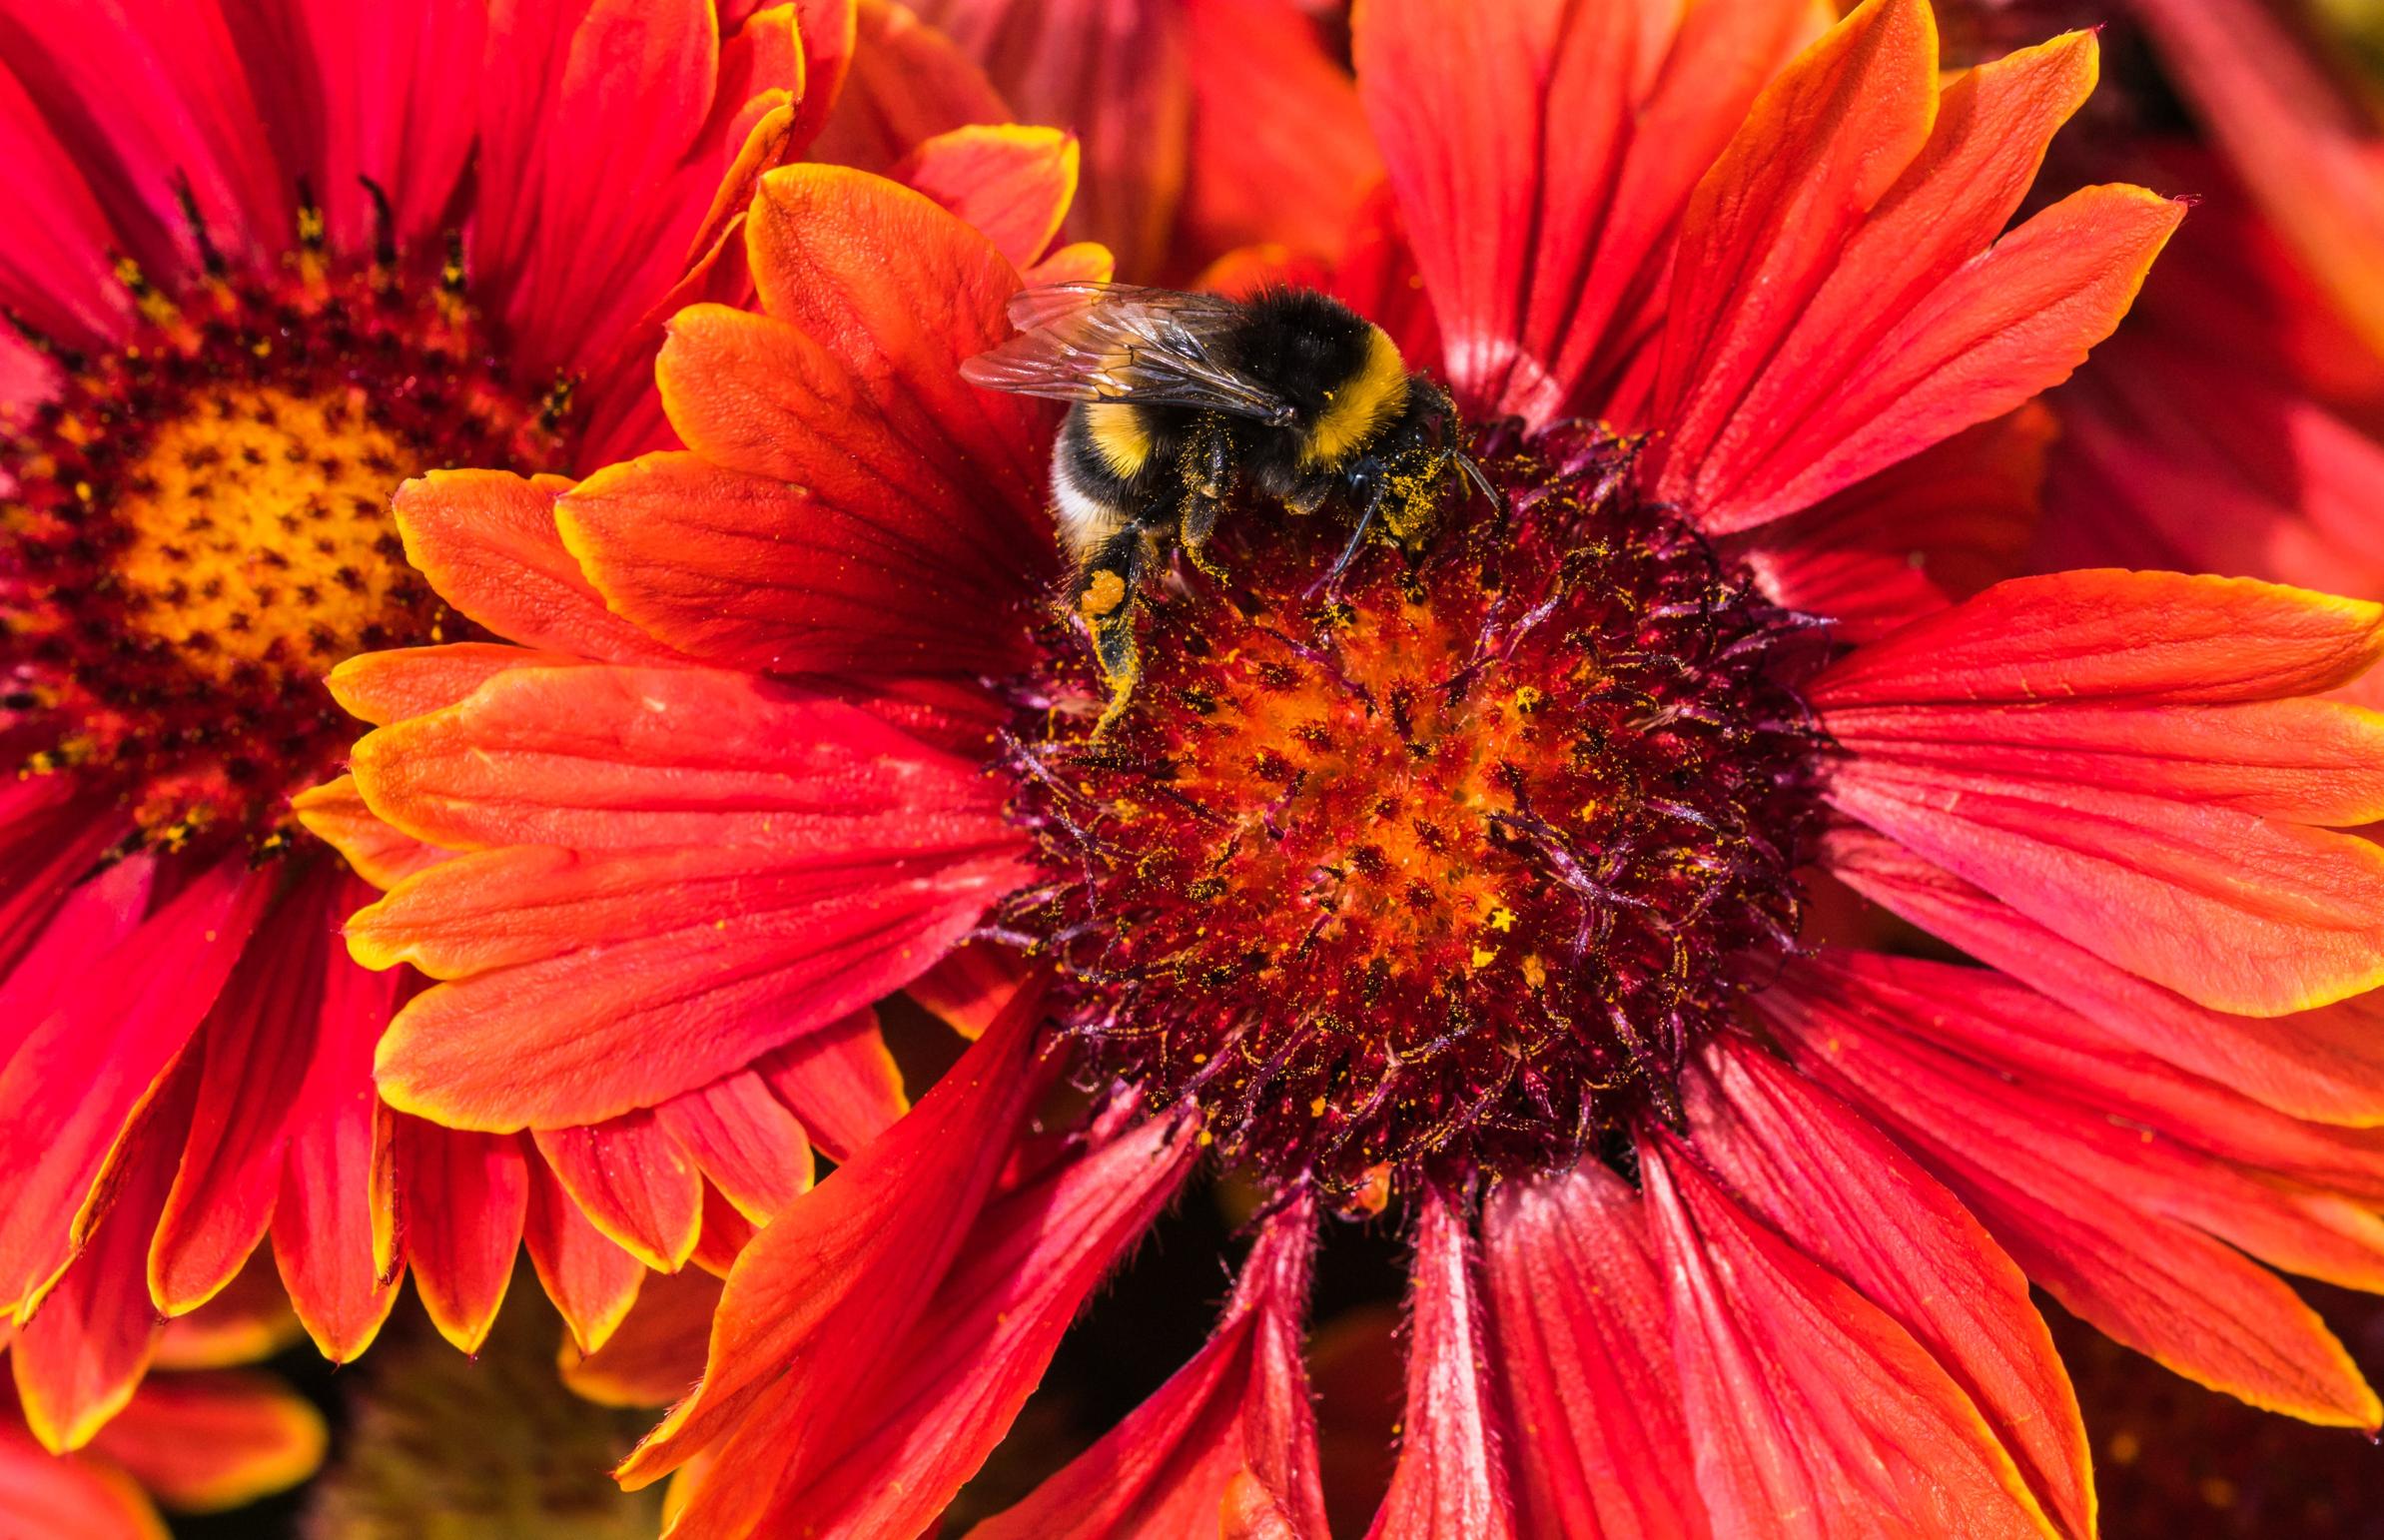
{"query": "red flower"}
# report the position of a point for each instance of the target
(270, 261)
(1474, 886)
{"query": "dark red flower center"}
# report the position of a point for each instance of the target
(199, 527)
(1444, 874)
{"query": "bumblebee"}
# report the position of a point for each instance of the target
(1181, 398)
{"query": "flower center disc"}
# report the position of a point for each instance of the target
(199, 529)
(1445, 875)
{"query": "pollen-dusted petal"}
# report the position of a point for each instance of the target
(2134, 1231)
(1816, 1413)
(635, 1183)
(592, 1282)
(84, 1348)
(840, 1082)
(858, 1256)
(275, 1033)
(2123, 636)
(486, 541)
(2326, 1063)
(112, 1038)
(1451, 1478)
(216, 1440)
(1012, 180)
(593, 985)
(41, 1494)
(1543, 154)
(909, 82)
(1908, 540)
(1820, 149)
(893, 1448)
(2237, 912)
(745, 1141)
(463, 1200)
(620, 759)
(1848, 1198)
(1236, 1416)
(375, 849)
(2309, 761)
(1583, 1347)
(657, 1354)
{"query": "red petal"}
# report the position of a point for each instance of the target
(333, 1221)
(596, 985)
(56, 273)
(1280, 151)
(841, 1082)
(1543, 154)
(856, 1261)
(209, 1442)
(2124, 1228)
(972, 987)
(657, 1354)
(1237, 1414)
(1584, 1345)
(2122, 636)
(86, 1343)
(2237, 912)
(265, 1049)
(1451, 1476)
(377, 851)
(41, 1494)
(248, 1320)
(1011, 182)
(2309, 761)
(592, 1282)
(635, 1184)
(1917, 537)
(463, 1200)
(2326, 1063)
(486, 541)
(1820, 150)
(92, 1060)
(1816, 1413)
(895, 1445)
(620, 758)
(1848, 1199)
(909, 82)
(745, 1141)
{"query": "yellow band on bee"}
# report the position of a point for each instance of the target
(1356, 412)
(1117, 433)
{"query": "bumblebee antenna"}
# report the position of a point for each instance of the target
(1480, 478)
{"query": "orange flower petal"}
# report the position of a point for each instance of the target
(744, 1139)
(841, 1082)
(333, 1222)
(634, 1183)
(909, 83)
(41, 1494)
(1014, 183)
(592, 1282)
(657, 1354)
(205, 1443)
(375, 849)
(464, 1199)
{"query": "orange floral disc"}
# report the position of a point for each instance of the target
(1448, 872)
(201, 528)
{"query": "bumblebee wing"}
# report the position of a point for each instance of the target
(1118, 343)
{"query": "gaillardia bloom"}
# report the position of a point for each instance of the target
(1473, 884)
(269, 260)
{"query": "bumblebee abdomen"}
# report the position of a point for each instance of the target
(1120, 434)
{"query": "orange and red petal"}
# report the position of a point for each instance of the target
(840, 1082)
(1583, 1348)
(657, 1353)
(220, 1439)
(1230, 1437)
(909, 82)
(1543, 154)
(892, 1448)
(332, 1221)
(857, 1259)
(462, 1200)
(2129, 1229)
(592, 1282)
(1813, 1409)
(91, 1499)
(634, 1183)
(745, 1141)
(373, 849)
(1851, 1200)
(1451, 1478)
(486, 540)
(1011, 182)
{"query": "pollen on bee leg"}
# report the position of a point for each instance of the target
(1103, 593)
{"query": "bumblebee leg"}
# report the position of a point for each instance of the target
(1103, 599)
(1369, 474)
(1199, 524)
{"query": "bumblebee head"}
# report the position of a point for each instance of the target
(1406, 469)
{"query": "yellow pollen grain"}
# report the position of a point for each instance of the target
(1501, 918)
(1535, 972)
(256, 529)
(1483, 957)
(1316, 1107)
